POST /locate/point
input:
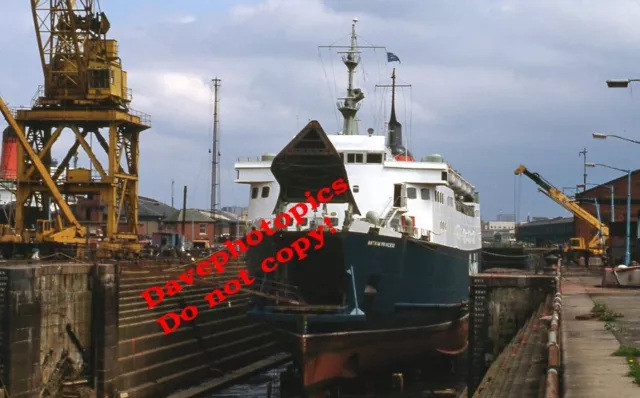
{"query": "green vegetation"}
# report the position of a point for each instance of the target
(632, 355)
(604, 313)
(628, 352)
(599, 308)
(634, 369)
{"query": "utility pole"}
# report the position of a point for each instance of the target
(215, 163)
(583, 153)
(173, 184)
(184, 214)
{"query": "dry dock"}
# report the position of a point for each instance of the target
(74, 326)
(76, 329)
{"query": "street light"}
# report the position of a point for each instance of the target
(620, 83)
(601, 136)
(627, 255)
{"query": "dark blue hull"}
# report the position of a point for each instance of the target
(363, 300)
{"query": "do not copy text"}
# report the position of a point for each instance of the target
(315, 239)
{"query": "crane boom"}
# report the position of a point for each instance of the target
(557, 196)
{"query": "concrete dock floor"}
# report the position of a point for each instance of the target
(590, 370)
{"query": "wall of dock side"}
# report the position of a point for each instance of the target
(49, 333)
(83, 328)
(501, 304)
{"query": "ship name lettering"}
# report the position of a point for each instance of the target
(381, 244)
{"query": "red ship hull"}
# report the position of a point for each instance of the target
(327, 357)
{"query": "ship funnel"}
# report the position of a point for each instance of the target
(9, 159)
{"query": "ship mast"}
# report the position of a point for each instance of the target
(394, 127)
(350, 105)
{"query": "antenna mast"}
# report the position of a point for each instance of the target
(350, 105)
(215, 163)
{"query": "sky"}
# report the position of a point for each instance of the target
(494, 84)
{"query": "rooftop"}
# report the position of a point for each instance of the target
(548, 221)
(201, 216)
(610, 182)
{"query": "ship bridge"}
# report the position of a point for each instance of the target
(309, 162)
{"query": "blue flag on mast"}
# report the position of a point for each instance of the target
(391, 57)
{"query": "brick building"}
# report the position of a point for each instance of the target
(92, 213)
(617, 229)
(199, 225)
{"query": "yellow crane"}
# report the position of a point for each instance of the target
(85, 92)
(598, 244)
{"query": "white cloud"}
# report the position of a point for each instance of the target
(494, 83)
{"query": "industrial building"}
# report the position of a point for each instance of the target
(603, 193)
(545, 232)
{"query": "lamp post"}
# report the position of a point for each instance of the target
(620, 83)
(601, 136)
(627, 255)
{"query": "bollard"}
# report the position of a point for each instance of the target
(552, 384)
(554, 354)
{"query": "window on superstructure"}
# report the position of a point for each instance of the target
(412, 193)
(424, 194)
(443, 176)
(265, 192)
(254, 193)
(355, 158)
(374, 158)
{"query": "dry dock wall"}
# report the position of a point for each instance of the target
(48, 329)
(62, 322)
(500, 306)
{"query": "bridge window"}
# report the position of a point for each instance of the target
(412, 193)
(254, 193)
(355, 158)
(374, 158)
(265, 192)
(424, 193)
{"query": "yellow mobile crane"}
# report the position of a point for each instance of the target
(85, 92)
(598, 244)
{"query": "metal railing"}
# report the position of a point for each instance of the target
(145, 118)
(251, 159)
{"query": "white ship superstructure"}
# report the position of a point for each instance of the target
(427, 199)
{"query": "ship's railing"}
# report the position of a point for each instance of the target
(251, 159)
(278, 291)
